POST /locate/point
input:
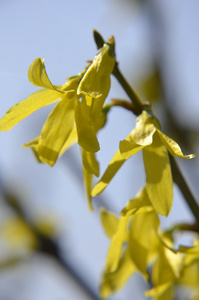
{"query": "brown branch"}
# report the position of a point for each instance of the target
(184, 188)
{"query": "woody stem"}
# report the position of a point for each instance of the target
(138, 105)
(184, 188)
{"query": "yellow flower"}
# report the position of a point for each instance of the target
(147, 137)
(133, 242)
(119, 265)
(78, 111)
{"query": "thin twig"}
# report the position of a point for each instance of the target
(138, 105)
(183, 186)
(50, 247)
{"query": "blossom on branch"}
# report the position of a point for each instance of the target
(146, 136)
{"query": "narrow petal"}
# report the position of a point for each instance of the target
(96, 80)
(172, 146)
(190, 275)
(37, 74)
(139, 256)
(140, 137)
(143, 240)
(162, 263)
(90, 168)
(85, 128)
(115, 248)
(34, 146)
(144, 227)
(26, 107)
(57, 129)
(90, 162)
(140, 203)
(129, 148)
(159, 290)
(110, 222)
(88, 180)
(69, 142)
(146, 125)
(114, 165)
(114, 281)
(159, 184)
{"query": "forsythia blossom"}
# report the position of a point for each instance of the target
(137, 244)
(76, 115)
(147, 137)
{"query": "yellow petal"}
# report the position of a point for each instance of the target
(143, 240)
(90, 167)
(145, 127)
(158, 276)
(110, 222)
(57, 129)
(114, 165)
(129, 148)
(115, 248)
(174, 260)
(113, 282)
(37, 74)
(26, 107)
(96, 80)
(139, 256)
(190, 275)
(144, 227)
(141, 136)
(34, 146)
(140, 203)
(159, 183)
(98, 117)
(85, 128)
(70, 141)
(90, 162)
(159, 291)
(88, 179)
(172, 146)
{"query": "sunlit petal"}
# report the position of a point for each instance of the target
(129, 148)
(114, 165)
(96, 81)
(140, 203)
(159, 183)
(57, 129)
(88, 180)
(37, 74)
(110, 222)
(172, 146)
(160, 290)
(90, 162)
(85, 128)
(115, 248)
(114, 281)
(26, 107)
(69, 142)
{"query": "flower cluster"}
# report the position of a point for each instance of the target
(77, 116)
(138, 245)
(146, 136)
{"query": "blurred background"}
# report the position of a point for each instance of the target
(51, 246)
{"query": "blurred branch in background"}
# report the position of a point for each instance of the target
(41, 238)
